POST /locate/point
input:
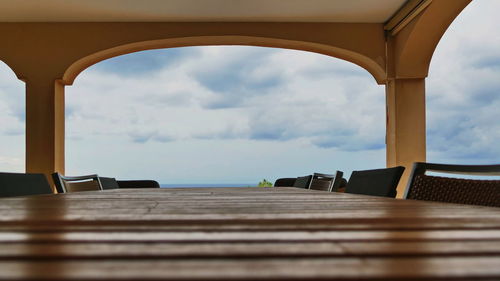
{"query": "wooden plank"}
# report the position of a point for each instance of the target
(469, 268)
(87, 218)
(171, 206)
(251, 225)
(236, 236)
(149, 250)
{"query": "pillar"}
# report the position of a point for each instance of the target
(405, 131)
(44, 126)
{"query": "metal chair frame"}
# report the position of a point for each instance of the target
(62, 182)
(334, 180)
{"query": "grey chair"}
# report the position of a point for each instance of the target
(342, 185)
(326, 182)
(378, 182)
(451, 189)
(138, 184)
(303, 182)
(285, 182)
(21, 184)
(108, 183)
(75, 184)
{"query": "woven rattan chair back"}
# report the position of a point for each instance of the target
(454, 190)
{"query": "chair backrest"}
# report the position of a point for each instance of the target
(138, 184)
(454, 190)
(326, 182)
(75, 184)
(342, 185)
(378, 182)
(303, 182)
(20, 184)
(285, 182)
(108, 183)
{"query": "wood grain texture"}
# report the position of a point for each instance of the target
(244, 234)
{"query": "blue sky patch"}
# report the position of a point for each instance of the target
(144, 62)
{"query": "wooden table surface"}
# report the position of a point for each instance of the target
(244, 234)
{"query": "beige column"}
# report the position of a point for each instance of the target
(405, 137)
(44, 126)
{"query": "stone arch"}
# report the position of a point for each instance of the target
(365, 62)
(16, 73)
(415, 45)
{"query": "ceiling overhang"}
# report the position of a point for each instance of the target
(359, 11)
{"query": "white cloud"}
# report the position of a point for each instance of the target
(12, 136)
(175, 104)
(224, 98)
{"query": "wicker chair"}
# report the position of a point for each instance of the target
(454, 190)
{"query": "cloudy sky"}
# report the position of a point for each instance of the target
(228, 114)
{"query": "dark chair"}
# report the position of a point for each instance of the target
(20, 184)
(326, 182)
(138, 184)
(342, 185)
(303, 182)
(454, 190)
(285, 182)
(76, 184)
(109, 183)
(379, 182)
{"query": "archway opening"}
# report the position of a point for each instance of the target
(223, 115)
(463, 90)
(12, 118)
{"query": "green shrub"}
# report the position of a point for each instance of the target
(265, 183)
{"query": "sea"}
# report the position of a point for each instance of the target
(164, 185)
